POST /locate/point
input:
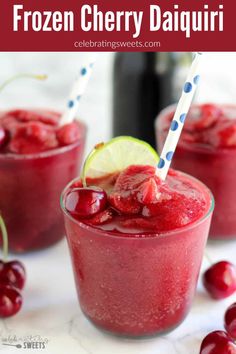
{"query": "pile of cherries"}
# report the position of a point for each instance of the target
(220, 282)
(12, 281)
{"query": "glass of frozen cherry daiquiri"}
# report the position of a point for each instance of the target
(136, 242)
(207, 150)
(37, 158)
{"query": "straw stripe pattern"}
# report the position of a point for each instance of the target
(78, 89)
(177, 123)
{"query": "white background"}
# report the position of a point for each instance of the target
(218, 83)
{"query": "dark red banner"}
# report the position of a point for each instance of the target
(124, 25)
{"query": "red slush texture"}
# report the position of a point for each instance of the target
(207, 151)
(138, 284)
(140, 202)
(33, 172)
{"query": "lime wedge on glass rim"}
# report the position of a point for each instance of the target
(116, 155)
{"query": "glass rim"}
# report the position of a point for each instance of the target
(142, 236)
(195, 147)
(48, 153)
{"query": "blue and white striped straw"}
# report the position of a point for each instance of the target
(78, 89)
(179, 118)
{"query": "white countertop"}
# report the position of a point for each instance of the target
(51, 311)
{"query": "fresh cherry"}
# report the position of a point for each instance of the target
(217, 342)
(3, 137)
(220, 280)
(10, 301)
(12, 273)
(230, 320)
(86, 202)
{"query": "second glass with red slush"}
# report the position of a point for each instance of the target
(207, 150)
(37, 159)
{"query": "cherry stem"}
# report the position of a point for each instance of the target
(83, 174)
(20, 76)
(4, 238)
(83, 177)
(84, 169)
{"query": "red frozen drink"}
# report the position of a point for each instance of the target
(136, 245)
(37, 159)
(207, 150)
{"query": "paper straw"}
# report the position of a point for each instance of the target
(78, 89)
(179, 118)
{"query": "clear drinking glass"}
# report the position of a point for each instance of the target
(214, 167)
(136, 286)
(30, 188)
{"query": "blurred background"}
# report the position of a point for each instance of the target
(126, 90)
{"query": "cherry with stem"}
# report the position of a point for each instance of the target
(21, 76)
(4, 238)
(12, 279)
(11, 272)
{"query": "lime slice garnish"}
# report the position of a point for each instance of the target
(116, 155)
